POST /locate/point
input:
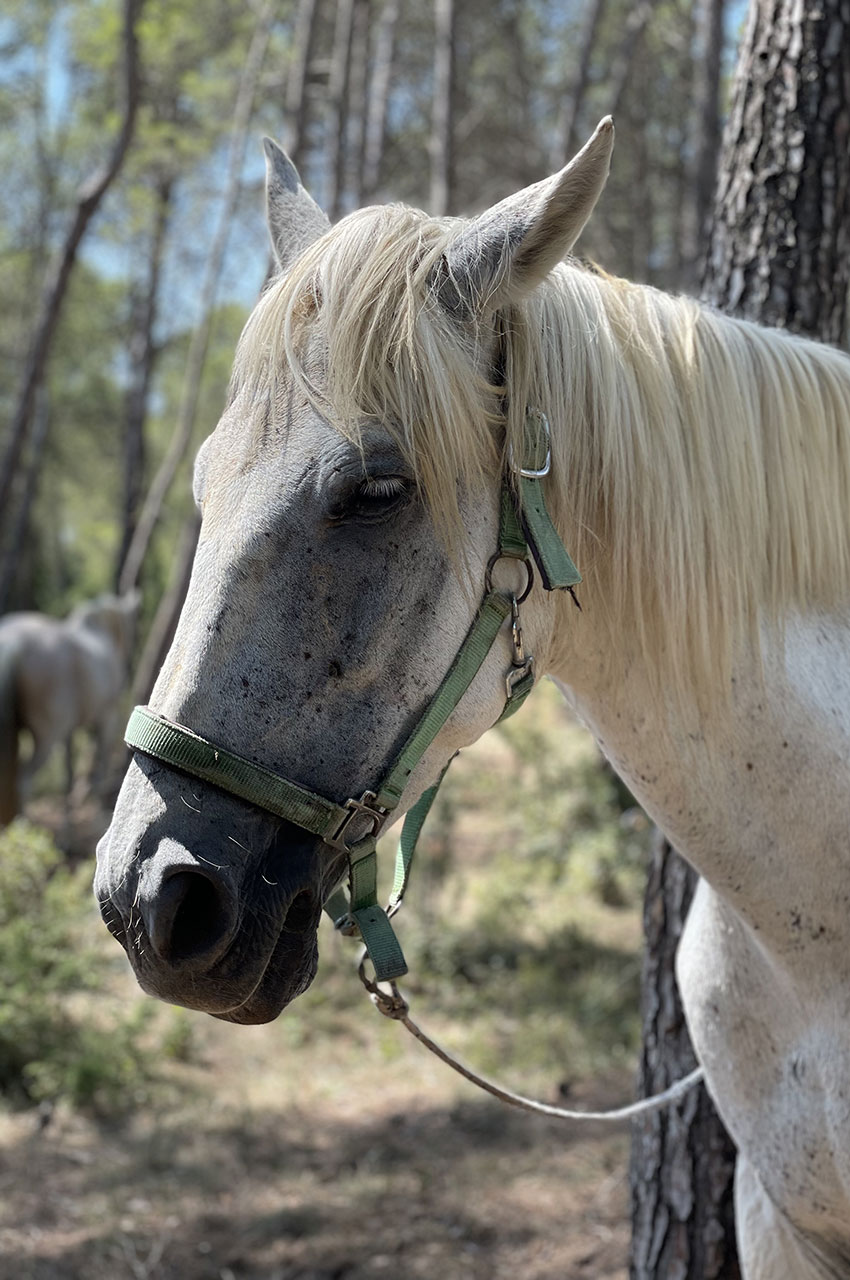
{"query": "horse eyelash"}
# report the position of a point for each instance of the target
(382, 487)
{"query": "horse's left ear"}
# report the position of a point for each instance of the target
(295, 220)
(505, 252)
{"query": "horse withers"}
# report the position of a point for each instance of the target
(57, 676)
(698, 469)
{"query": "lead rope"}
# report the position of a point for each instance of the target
(392, 1004)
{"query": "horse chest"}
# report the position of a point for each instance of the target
(777, 1056)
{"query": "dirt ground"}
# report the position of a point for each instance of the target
(400, 1174)
(326, 1146)
(295, 1151)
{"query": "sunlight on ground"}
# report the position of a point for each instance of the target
(329, 1143)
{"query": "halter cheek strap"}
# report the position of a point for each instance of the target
(524, 527)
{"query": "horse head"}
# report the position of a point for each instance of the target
(350, 498)
(110, 615)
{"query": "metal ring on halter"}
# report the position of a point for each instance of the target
(494, 560)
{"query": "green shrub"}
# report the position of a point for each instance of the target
(54, 1043)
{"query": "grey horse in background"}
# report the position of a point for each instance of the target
(57, 676)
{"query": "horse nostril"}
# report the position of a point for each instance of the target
(189, 919)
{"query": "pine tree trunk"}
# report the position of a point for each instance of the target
(627, 56)
(376, 115)
(780, 244)
(708, 132)
(442, 119)
(700, 177)
(142, 352)
(778, 254)
(196, 358)
(335, 128)
(295, 106)
(90, 197)
(358, 93)
(164, 625)
(682, 1162)
(574, 95)
(16, 587)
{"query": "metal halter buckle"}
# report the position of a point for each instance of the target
(532, 473)
(366, 806)
(517, 674)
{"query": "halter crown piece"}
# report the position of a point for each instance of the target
(525, 531)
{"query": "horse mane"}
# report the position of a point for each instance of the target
(701, 464)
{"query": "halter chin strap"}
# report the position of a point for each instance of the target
(524, 527)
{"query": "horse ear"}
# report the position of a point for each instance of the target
(131, 601)
(295, 220)
(505, 252)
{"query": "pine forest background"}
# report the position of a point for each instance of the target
(145, 1142)
(448, 106)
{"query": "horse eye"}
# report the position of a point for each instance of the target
(375, 497)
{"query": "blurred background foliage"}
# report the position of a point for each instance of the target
(450, 106)
(151, 1142)
(528, 80)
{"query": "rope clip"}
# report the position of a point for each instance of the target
(392, 1003)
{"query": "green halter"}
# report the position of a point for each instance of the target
(524, 526)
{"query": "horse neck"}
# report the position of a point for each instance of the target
(725, 782)
(689, 448)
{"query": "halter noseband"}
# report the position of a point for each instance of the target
(524, 526)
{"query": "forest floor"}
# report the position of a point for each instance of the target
(329, 1145)
(351, 1170)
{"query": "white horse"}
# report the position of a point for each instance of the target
(700, 475)
(56, 677)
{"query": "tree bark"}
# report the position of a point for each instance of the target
(780, 243)
(778, 254)
(634, 30)
(30, 469)
(376, 112)
(574, 94)
(196, 358)
(90, 195)
(442, 119)
(708, 71)
(682, 1161)
(705, 128)
(358, 91)
(143, 351)
(162, 629)
(335, 128)
(304, 41)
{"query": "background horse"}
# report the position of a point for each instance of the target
(58, 676)
(700, 474)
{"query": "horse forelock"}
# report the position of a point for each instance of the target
(701, 468)
(360, 306)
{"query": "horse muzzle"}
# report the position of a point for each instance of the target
(223, 923)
